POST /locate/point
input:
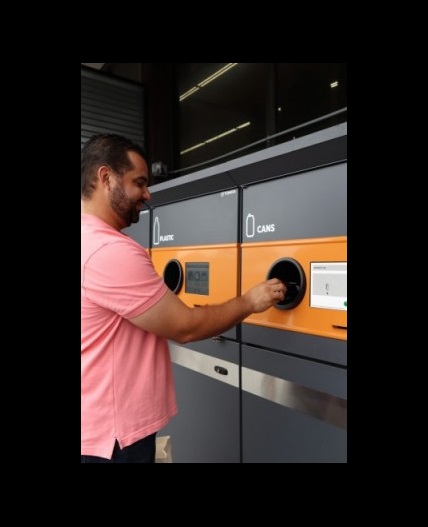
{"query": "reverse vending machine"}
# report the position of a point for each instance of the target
(273, 390)
(297, 233)
(195, 249)
(294, 355)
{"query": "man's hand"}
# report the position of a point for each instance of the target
(264, 295)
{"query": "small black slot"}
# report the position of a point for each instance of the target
(173, 276)
(291, 273)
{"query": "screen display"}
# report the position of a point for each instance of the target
(197, 278)
(329, 285)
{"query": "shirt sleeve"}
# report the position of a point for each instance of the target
(120, 276)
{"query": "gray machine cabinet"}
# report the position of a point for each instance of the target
(200, 221)
(206, 428)
(310, 204)
(310, 346)
(204, 220)
(293, 410)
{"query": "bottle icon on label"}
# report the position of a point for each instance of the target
(156, 231)
(249, 226)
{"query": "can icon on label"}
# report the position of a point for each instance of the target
(249, 226)
(156, 231)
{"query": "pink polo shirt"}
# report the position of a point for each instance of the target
(127, 389)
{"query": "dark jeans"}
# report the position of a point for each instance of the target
(142, 451)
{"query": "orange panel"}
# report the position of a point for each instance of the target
(257, 259)
(223, 270)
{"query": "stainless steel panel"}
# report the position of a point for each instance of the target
(325, 407)
(205, 364)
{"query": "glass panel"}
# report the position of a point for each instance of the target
(306, 91)
(226, 106)
(222, 108)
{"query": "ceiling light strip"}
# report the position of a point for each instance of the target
(209, 79)
(192, 90)
(217, 74)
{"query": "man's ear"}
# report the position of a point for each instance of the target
(104, 176)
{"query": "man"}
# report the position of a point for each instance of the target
(128, 312)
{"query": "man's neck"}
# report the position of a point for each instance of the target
(89, 207)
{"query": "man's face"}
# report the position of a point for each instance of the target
(128, 195)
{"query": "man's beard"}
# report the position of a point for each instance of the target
(124, 206)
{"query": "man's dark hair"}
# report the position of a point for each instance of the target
(105, 149)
